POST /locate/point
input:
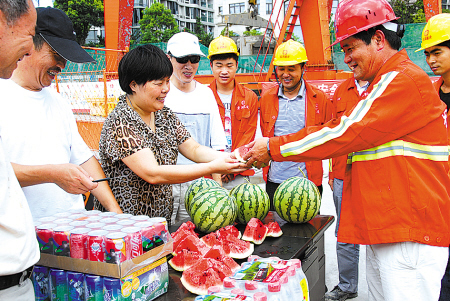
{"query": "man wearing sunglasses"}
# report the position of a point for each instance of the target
(194, 105)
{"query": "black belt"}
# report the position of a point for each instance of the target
(16, 279)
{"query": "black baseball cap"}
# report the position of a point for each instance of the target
(57, 30)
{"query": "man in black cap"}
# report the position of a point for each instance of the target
(50, 159)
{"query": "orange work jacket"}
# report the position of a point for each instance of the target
(345, 97)
(396, 184)
(318, 111)
(244, 116)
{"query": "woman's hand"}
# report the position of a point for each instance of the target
(227, 165)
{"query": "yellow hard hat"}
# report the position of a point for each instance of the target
(222, 45)
(436, 31)
(290, 53)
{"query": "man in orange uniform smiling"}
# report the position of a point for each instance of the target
(396, 185)
(238, 105)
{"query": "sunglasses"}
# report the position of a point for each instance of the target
(193, 58)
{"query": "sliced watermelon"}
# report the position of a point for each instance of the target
(274, 229)
(212, 240)
(191, 243)
(179, 235)
(218, 254)
(230, 229)
(240, 152)
(239, 249)
(184, 259)
(255, 231)
(198, 278)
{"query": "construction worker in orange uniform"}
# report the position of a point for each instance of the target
(288, 107)
(396, 184)
(238, 105)
(436, 46)
(345, 98)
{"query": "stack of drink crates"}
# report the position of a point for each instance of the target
(93, 255)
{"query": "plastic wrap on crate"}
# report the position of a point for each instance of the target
(103, 268)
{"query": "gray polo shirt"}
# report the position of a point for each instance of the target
(291, 119)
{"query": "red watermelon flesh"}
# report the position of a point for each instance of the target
(255, 231)
(218, 254)
(230, 229)
(274, 229)
(179, 235)
(191, 243)
(184, 259)
(198, 278)
(239, 249)
(240, 152)
(211, 240)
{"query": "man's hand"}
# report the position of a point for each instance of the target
(73, 178)
(258, 156)
(330, 182)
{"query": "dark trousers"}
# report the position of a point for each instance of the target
(271, 187)
(445, 285)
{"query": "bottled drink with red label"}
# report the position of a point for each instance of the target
(134, 242)
(115, 247)
(78, 243)
(44, 234)
(61, 240)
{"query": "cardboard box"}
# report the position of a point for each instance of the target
(103, 268)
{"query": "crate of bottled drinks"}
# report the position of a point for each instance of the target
(101, 253)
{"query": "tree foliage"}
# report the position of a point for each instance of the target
(253, 32)
(409, 11)
(199, 30)
(157, 24)
(83, 14)
(226, 32)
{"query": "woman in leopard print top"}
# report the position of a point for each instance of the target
(141, 138)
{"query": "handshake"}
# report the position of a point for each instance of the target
(254, 154)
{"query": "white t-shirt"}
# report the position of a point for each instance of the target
(39, 128)
(226, 101)
(198, 112)
(19, 248)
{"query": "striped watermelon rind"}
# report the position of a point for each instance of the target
(212, 209)
(195, 188)
(297, 200)
(252, 201)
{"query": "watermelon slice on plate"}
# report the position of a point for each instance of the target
(240, 152)
(274, 229)
(255, 231)
(184, 259)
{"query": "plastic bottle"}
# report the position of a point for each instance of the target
(301, 277)
(237, 291)
(228, 284)
(251, 287)
(293, 283)
(286, 293)
(274, 293)
(260, 296)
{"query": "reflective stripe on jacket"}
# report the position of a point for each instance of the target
(345, 97)
(318, 111)
(397, 187)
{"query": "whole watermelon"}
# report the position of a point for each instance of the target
(251, 201)
(297, 200)
(195, 187)
(212, 208)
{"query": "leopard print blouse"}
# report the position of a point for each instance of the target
(125, 133)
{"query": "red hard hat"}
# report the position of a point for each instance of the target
(353, 16)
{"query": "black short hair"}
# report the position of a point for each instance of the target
(13, 10)
(224, 56)
(142, 64)
(445, 44)
(391, 37)
(38, 41)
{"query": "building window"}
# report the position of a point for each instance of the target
(258, 2)
(137, 16)
(237, 8)
(220, 10)
(210, 17)
(269, 7)
(173, 6)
